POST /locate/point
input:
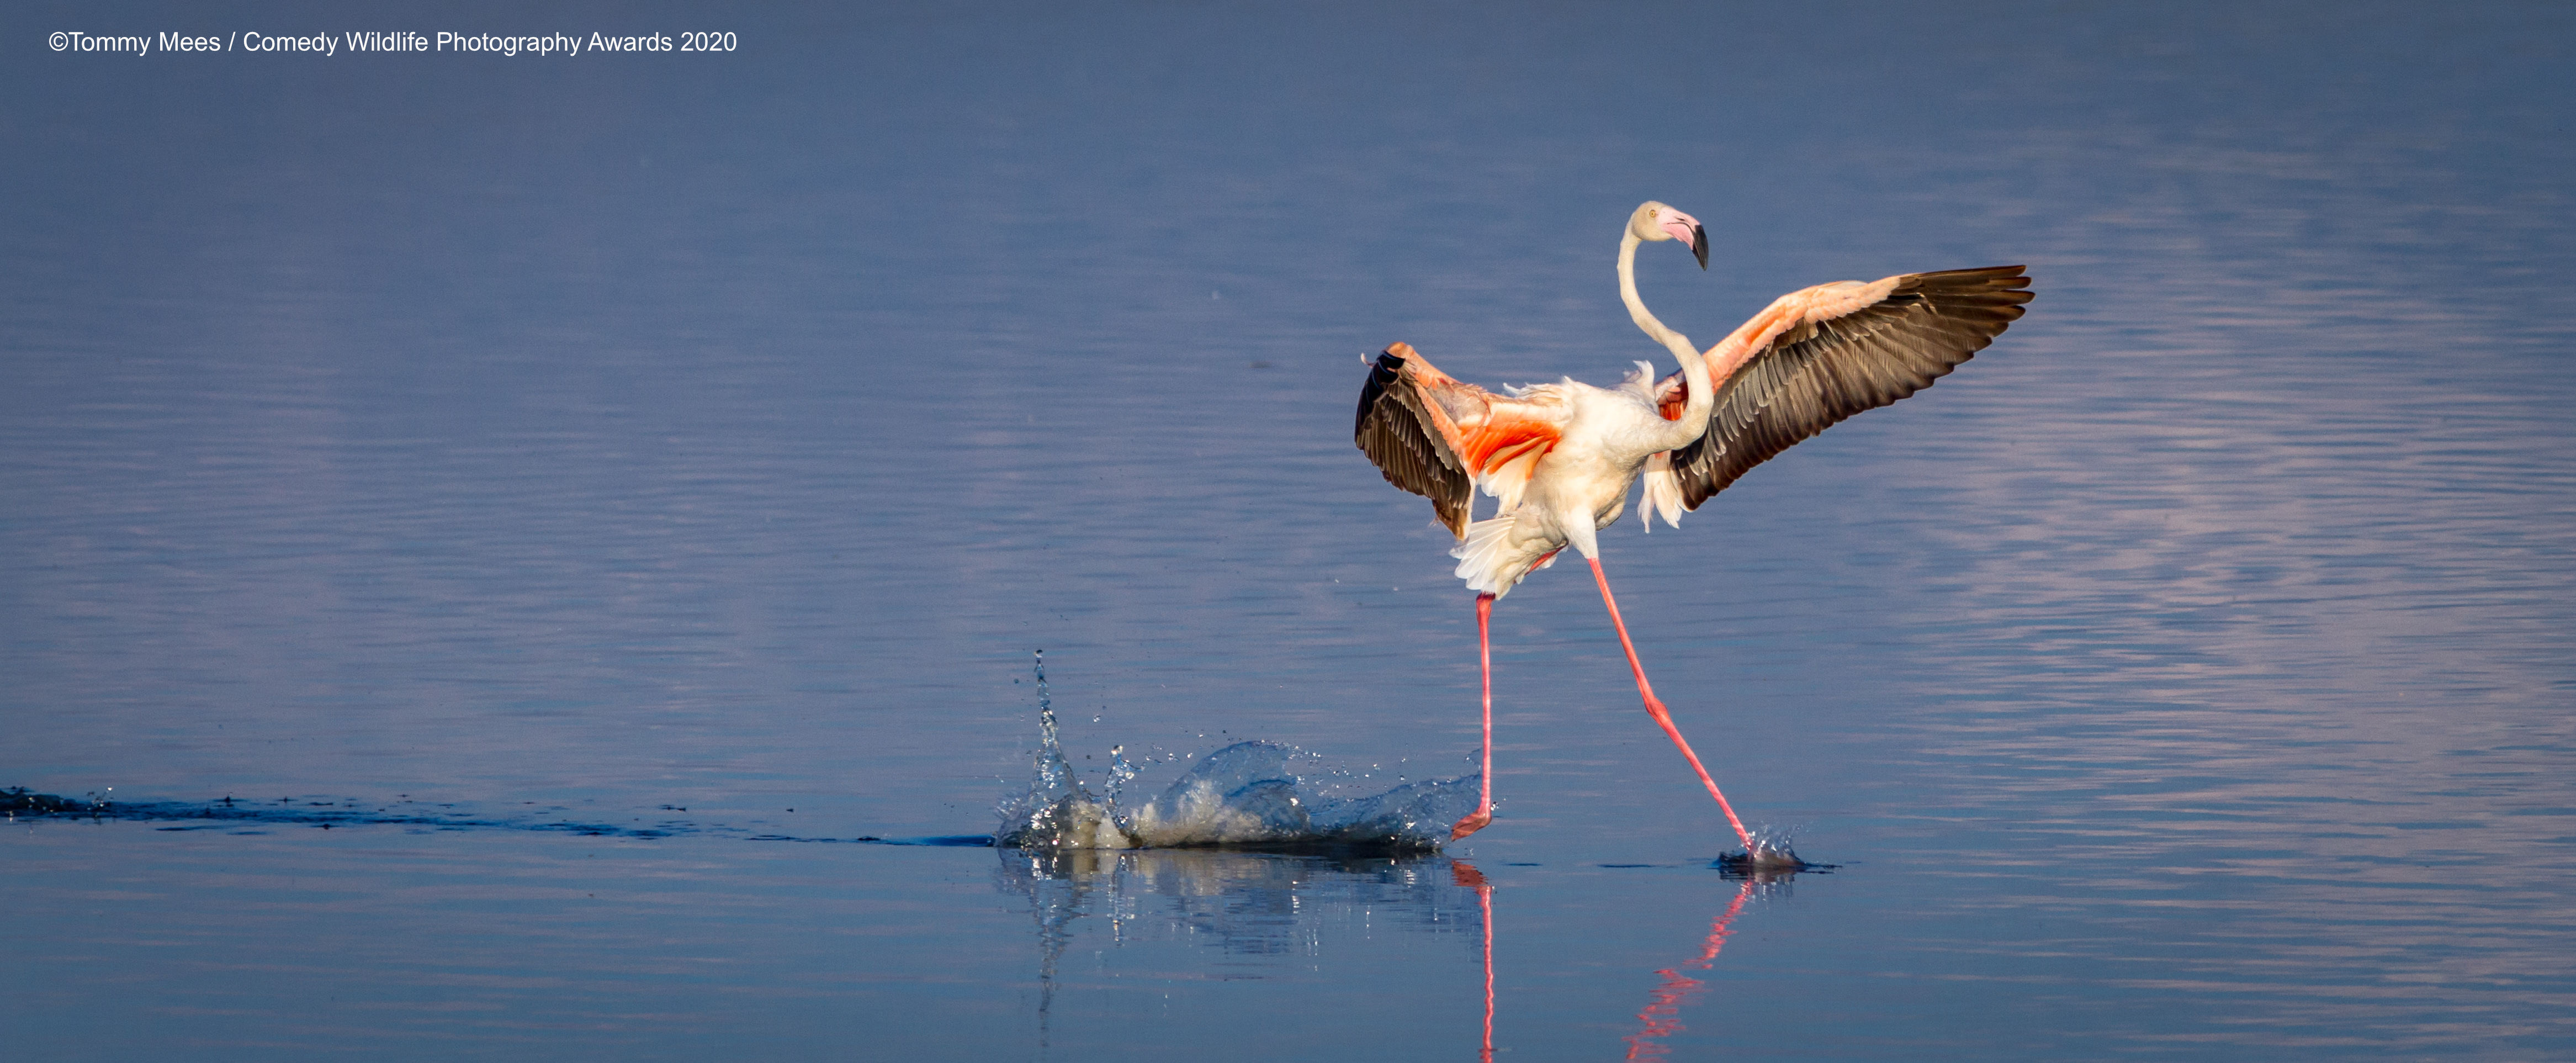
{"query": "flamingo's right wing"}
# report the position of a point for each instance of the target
(1439, 438)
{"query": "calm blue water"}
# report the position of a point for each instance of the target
(2191, 674)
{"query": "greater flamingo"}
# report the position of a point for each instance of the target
(1558, 458)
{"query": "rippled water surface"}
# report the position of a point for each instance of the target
(696, 447)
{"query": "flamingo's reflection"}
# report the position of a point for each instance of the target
(1251, 902)
(1465, 874)
(1662, 1015)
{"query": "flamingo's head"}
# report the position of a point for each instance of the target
(1655, 221)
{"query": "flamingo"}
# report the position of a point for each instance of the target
(1558, 459)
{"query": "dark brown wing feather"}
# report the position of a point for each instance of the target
(1815, 375)
(1400, 436)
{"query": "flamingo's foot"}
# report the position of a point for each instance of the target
(1768, 858)
(1472, 823)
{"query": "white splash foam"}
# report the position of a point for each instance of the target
(1246, 795)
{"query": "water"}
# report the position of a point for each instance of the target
(559, 440)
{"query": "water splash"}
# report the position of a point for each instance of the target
(1247, 796)
(1057, 812)
(1771, 854)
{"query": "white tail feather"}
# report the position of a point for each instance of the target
(1490, 562)
(1663, 492)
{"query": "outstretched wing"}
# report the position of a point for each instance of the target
(1817, 356)
(1437, 437)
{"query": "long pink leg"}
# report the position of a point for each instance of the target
(1484, 813)
(1655, 708)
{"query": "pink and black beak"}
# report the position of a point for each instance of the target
(1686, 229)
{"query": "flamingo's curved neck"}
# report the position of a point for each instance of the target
(1703, 395)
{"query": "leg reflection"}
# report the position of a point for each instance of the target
(1465, 874)
(1662, 1015)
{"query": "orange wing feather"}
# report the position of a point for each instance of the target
(1438, 437)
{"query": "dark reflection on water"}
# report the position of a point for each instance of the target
(1232, 901)
(18, 804)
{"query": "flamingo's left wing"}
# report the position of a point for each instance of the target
(1820, 355)
(1440, 438)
